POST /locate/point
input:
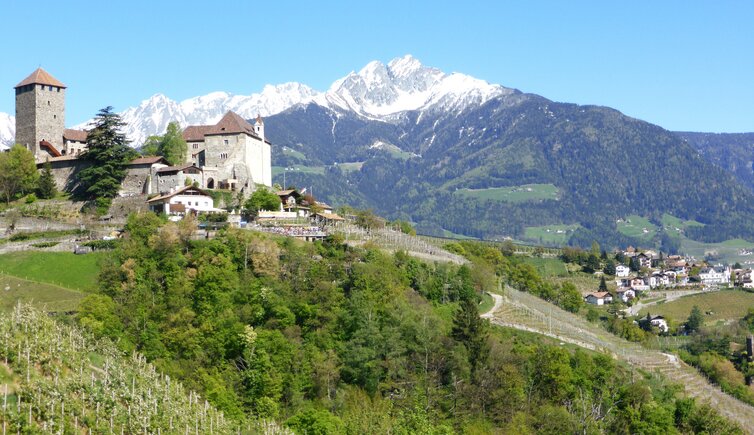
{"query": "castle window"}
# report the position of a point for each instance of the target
(226, 141)
(58, 89)
(48, 102)
(223, 155)
(196, 146)
(50, 88)
(54, 116)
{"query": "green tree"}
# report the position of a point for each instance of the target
(46, 188)
(570, 298)
(471, 330)
(18, 172)
(695, 320)
(108, 153)
(603, 284)
(170, 145)
(262, 199)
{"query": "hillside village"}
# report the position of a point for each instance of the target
(638, 272)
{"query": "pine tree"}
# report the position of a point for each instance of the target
(471, 331)
(109, 153)
(603, 284)
(46, 188)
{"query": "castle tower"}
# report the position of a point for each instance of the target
(259, 127)
(40, 113)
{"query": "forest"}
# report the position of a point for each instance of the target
(327, 338)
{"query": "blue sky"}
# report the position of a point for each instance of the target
(685, 65)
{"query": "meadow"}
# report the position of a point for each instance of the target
(717, 306)
(64, 269)
(527, 192)
(550, 234)
(44, 296)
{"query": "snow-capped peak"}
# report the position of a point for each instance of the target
(405, 84)
(7, 130)
(376, 91)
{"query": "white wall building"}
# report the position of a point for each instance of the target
(622, 270)
(183, 200)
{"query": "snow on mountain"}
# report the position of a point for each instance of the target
(7, 130)
(377, 91)
(405, 84)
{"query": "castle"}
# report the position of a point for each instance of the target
(231, 154)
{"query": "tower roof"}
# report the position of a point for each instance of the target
(231, 123)
(40, 77)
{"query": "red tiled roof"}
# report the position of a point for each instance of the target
(40, 77)
(232, 123)
(54, 151)
(195, 133)
(77, 135)
(148, 160)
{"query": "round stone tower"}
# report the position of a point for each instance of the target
(40, 112)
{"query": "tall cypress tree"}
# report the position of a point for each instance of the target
(109, 153)
(46, 188)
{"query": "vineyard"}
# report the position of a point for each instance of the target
(58, 379)
(524, 311)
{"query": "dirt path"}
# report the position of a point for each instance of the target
(526, 312)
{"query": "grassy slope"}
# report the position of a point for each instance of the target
(549, 234)
(44, 296)
(65, 269)
(527, 192)
(724, 305)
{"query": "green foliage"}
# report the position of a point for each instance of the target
(262, 199)
(46, 188)
(30, 198)
(18, 172)
(170, 145)
(695, 320)
(109, 153)
(337, 339)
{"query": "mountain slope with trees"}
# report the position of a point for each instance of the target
(604, 165)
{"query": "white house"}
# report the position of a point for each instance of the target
(639, 284)
(598, 298)
(622, 270)
(715, 275)
(183, 200)
(626, 294)
(659, 322)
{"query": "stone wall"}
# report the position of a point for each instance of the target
(137, 180)
(65, 172)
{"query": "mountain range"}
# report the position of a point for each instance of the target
(454, 153)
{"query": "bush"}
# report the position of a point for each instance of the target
(31, 198)
(44, 244)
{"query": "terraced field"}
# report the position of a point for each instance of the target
(526, 312)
